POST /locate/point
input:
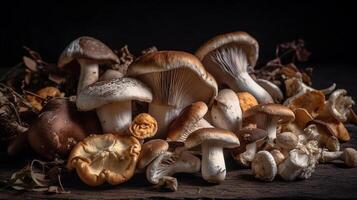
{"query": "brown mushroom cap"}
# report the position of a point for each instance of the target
(87, 48)
(188, 118)
(249, 135)
(240, 39)
(312, 101)
(302, 117)
(221, 137)
(151, 150)
(284, 113)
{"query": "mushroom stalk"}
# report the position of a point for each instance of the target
(328, 156)
(292, 167)
(164, 115)
(213, 165)
(115, 117)
(269, 124)
(89, 73)
(248, 156)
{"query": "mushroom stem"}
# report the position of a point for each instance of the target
(247, 157)
(269, 124)
(213, 165)
(328, 156)
(164, 115)
(115, 117)
(292, 167)
(89, 73)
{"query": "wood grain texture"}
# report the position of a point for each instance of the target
(329, 181)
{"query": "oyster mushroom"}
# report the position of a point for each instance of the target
(228, 58)
(160, 170)
(112, 101)
(264, 166)
(272, 89)
(89, 53)
(226, 112)
(105, 158)
(190, 120)
(348, 156)
(177, 79)
(293, 165)
(151, 150)
(212, 141)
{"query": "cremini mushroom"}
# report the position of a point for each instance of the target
(177, 80)
(272, 89)
(143, 126)
(112, 101)
(264, 166)
(89, 53)
(105, 158)
(348, 156)
(212, 141)
(190, 120)
(293, 165)
(226, 112)
(160, 170)
(228, 58)
(151, 150)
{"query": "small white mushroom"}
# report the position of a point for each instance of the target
(264, 166)
(293, 165)
(348, 156)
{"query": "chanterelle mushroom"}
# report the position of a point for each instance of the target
(105, 158)
(112, 101)
(264, 166)
(228, 57)
(177, 79)
(226, 112)
(89, 53)
(212, 141)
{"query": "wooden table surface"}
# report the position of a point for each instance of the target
(329, 181)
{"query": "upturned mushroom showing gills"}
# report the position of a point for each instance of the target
(112, 101)
(89, 53)
(105, 158)
(212, 141)
(177, 79)
(228, 58)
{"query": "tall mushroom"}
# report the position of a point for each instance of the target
(228, 58)
(177, 79)
(112, 101)
(89, 53)
(212, 141)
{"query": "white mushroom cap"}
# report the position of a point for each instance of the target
(226, 112)
(264, 166)
(293, 165)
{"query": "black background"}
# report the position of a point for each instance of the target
(48, 26)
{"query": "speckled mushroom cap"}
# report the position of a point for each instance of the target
(165, 61)
(87, 48)
(115, 90)
(220, 137)
(284, 113)
(239, 39)
(151, 150)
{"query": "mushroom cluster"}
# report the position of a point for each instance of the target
(174, 112)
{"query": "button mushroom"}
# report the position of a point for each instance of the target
(105, 158)
(112, 101)
(177, 79)
(264, 166)
(348, 156)
(226, 112)
(293, 165)
(89, 53)
(212, 141)
(228, 57)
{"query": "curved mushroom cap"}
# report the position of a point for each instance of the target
(246, 100)
(349, 156)
(284, 113)
(339, 105)
(115, 90)
(239, 39)
(182, 126)
(100, 158)
(143, 126)
(327, 135)
(302, 117)
(312, 101)
(287, 140)
(272, 89)
(176, 78)
(264, 166)
(151, 150)
(249, 135)
(87, 48)
(219, 137)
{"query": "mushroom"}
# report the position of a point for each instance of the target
(110, 74)
(272, 89)
(228, 58)
(160, 171)
(268, 116)
(212, 141)
(59, 127)
(348, 156)
(312, 101)
(151, 150)
(287, 141)
(246, 101)
(327, 136)
(105, 158)
(190, 120)
(89, 53)
(293, 165)
(143, 126)
(302, 117)
(338, 106)
(226, 112)
(112, 101)
(43, 94)
(278, 156)
(264, 166)
(248, 138)
(177, 79)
